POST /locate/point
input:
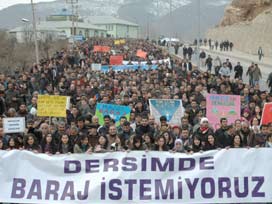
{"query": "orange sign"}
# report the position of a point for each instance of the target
(141, 54)
(99, 48)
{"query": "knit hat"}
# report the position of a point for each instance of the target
(203, 120)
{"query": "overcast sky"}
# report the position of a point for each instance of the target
(6, 3)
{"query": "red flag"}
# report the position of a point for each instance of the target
(141, 54)
(267, 114)
(116, 60)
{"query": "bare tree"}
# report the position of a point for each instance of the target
(20, 56)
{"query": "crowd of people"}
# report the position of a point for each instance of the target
(70, 74)
(225, 69)
(224, 45)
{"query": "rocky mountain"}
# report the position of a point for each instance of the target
(156, 17)
(247, 23)
(244, 10)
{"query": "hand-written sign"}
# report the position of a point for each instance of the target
(114, 111)
(14, 125)
(222, 106)
(52, 106)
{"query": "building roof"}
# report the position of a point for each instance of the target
(102, 20)
(68, 24)
(56, 26)
(39, 28)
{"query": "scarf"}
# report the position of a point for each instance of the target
(204, 129)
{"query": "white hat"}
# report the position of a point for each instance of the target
(203, 120)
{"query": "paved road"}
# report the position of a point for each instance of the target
(244, 62)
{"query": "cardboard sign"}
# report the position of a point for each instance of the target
(14, 125)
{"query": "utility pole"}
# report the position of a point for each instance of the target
(35, 34)
(198, 38)
(171, 16)
(73, 33)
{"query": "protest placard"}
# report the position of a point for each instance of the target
(98, 48)
(116, 60)
(267, 114)
(142, 54)
(14, 125)
(52, 106)
(170, 108)
(222, 106)
(114, 111)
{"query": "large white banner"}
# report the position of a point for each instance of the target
(225, 176)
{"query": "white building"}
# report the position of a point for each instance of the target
(80, 28)
(61, 25)
(58, 26)
(116, 27)
(25, 33)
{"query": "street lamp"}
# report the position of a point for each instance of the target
(35, 33)
(25, 20)
(26, 29)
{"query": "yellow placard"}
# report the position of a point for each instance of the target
(52, 106)
(123, 41)
(119, 42)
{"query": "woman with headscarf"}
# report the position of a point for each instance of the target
(179, 146)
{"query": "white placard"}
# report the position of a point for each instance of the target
(14, 125)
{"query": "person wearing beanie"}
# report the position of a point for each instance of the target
(204, 130)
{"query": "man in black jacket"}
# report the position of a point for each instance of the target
(190, 52)
(144, 128)
(238, 69)
(220, 133)
(209, 63)
(185, 52)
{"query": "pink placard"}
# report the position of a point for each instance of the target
(223, 106)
